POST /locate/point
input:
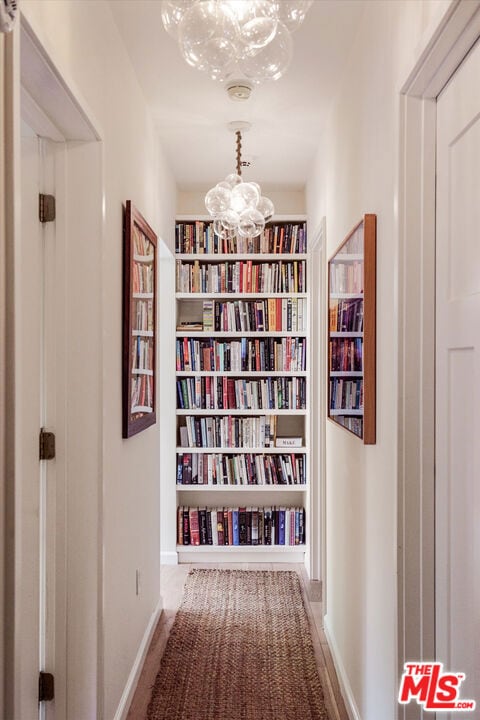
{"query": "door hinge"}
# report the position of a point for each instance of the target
(46, 687)
(46, 208)
(47, 445)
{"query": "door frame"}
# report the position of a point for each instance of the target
(28, 62)
(443, 51)
(317, 278)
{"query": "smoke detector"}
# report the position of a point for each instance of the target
(239, 90)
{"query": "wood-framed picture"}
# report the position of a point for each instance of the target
(352, 332)
(139, 323)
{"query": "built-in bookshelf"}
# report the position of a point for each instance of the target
(351, 338)
(242, 391)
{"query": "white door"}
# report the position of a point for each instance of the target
(457, 566)
(41, 615)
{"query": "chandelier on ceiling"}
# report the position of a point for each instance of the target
(238, 208)
(225, 38)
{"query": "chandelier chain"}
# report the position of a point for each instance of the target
(239, 152)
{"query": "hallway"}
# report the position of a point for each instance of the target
(89, 527)
(173, 578)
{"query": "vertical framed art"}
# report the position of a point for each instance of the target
(139, 323)
(352, 332)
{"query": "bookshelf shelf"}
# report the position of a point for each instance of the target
(346, 296)
(279, 260)
(349, 257)
(241, 373)
(240, 548)
(347, 411)
(352, 330)
(346, 373)
(239, 333)
(238, 451)
(344, 333)
(237, 412)
(237, 295)
(232, 257)
(148, 259)
(242, 488)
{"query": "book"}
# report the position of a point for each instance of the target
(242, 526)
(202, 524)
(189, 325)
(235, 527)
(194, 526)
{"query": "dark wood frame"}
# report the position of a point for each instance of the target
(134, 423)
(369, 223)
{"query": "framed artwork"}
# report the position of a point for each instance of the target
(352, 332)
(139, 323)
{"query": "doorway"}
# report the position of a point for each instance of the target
(457, 370)
(55, 315)
(42, 604)
(417, 597)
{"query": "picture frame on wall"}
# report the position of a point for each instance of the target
(352, 332)
(139, 323)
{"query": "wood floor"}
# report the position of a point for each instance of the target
(172, 580)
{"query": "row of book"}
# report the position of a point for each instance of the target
(142, 311)
(245, 469)
(288, 314)
(346, 394)
(142, 393)
(228, 432)
(142, 354)
(142, 277)
(270, 315)
(241, 526)
(241, 276)
(346, 354)
(346, 277)
(222, 393)
(346, 315)
(354, 424)
(355, 243)
(198, 237)
(142, 247)
(247, 354)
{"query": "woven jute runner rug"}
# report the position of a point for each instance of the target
(240, 649)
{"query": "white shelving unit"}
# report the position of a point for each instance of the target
(289, 422)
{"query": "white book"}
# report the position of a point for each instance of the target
(288, 442)
(214, 527)
(183, 436)
(295, 327)
(287, 526)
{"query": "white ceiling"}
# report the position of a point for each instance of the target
(192, 111)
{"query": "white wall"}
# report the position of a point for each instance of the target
(355, 173)
(287, 202)
(91, 57)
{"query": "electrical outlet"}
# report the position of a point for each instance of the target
(137, 582)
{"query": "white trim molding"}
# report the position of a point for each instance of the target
(131, 685)
(342, 675)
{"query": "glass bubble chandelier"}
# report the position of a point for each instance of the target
(238, 208)
(227, 38)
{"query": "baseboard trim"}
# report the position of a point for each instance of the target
(169, 558)
(130, 687)
(346, 690)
